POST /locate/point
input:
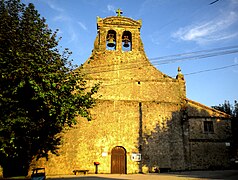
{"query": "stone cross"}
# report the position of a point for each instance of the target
(119, 12)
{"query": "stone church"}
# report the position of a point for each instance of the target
(142, 121)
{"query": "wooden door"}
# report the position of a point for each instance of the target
(118, 160)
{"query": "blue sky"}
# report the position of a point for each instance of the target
(169, 27)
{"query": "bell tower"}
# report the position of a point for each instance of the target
(118, 33)
(119, 62)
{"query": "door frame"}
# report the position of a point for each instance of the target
(124, 158)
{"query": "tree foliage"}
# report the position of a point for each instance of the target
(40, 92)
(233, 111)
(228, 108)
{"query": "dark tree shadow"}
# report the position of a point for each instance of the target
(180, 143)
(17, 166)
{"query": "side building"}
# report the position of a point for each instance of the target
(142, 120)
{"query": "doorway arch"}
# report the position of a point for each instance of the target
(118, 160)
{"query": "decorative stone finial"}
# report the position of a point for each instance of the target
(119, 12)
(180, 75)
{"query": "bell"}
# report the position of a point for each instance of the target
(126, 41)
(110, 41)
(126, 44)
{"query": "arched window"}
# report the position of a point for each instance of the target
(126, 41)
(111, 40)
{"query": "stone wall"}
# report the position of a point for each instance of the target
(208, 150)
(162, 136)
(116, 123)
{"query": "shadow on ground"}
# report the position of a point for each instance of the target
(67, 178)
(211, 175)
(83, 177)
(226, 174)
(188, 175)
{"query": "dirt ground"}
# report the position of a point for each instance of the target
(189, 175)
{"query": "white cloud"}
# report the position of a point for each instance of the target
(213, 30)
(111, 8)
(233, 2)
(70, 35)
(236, 60)
(61, 13)
(61, 17)
(73, 36)
(83, 26)
(147, 4)
(54, 6)
(64, 22)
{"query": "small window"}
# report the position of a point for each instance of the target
(208, 127)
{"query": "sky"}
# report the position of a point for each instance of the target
(169, 28)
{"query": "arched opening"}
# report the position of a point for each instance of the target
(111, 40)
(126, 41)
(118, 160)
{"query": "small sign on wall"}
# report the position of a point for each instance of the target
(228, 144)
(136, 157)
(104, 154)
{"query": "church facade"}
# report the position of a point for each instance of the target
(142, 121)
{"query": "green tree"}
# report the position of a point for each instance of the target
(233, 111)
(41, 93)
(226, 107)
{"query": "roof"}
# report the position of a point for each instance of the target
(215, 112)
(121, 20)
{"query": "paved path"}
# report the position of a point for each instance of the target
(192, 175)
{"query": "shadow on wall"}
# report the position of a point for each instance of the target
(209, 138)
(161, 144)
(185, 142)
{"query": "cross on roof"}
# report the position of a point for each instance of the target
(119, 12)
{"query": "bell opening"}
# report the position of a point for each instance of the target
(111, 40)
(126, 41)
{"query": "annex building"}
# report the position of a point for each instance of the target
(142, 120)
